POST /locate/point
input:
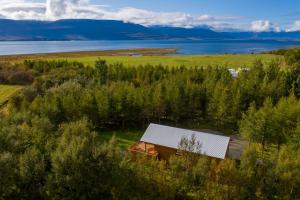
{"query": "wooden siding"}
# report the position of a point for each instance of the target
(165, 152)
(153, 150)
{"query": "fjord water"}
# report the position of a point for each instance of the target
(184, 47)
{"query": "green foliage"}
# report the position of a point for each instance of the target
(258, 126)
(101, 71)
(272, 124)
(50, 146)
(232, 61)
(292, 57)
(6, 91)
(288, 172)
(9, 174)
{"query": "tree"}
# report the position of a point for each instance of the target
(286, 114)
(248, 172)
(102, 102)
(157, 102)
(224, 184)
(9, 176)
(219, 106)
(72, 162)
(294, 139)
(287, 170)
(292, 57)
(33, 174)
(257, 125)
(81, 167)
(101, 70)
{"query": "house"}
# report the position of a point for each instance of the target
(235, 72)
(163, 141)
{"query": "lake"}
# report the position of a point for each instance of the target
(184, 47)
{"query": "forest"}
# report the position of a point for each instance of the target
(49, 134)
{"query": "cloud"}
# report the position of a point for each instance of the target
(83, 9)
(149, 18)
(63, 8)
(264, 26)
(21, 9)
(294, 27)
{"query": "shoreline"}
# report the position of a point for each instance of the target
(135, 52)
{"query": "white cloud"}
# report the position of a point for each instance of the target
(83, 9)
(63, 8)
(264, 26)
(149, 18)
(294, 27)
(21, 9)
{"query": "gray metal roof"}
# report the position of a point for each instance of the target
(211, 145)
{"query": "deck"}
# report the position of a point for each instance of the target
(143, 148)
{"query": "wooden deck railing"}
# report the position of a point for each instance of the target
(137, 148)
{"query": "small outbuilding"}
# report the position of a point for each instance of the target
(164, 141)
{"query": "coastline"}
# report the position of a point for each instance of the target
(135, 52)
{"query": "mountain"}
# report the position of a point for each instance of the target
(73, 30)
(188, 33)
(84, 29)
(264, 35)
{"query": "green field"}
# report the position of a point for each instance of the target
(6, 91)
(233, 61)
(134, 57)
(124, 138)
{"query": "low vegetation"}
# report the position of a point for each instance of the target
(83, 54)
(232, 61)
(124, 138)
(7, 91)
(55, 140)
(138, 57)
(291, 55)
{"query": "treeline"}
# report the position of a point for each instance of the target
(118, 96)
(25, 73)
(49, 146)
(14, 75)
(291, 55)
(273, 124)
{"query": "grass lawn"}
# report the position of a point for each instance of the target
(232, 61)
(124, 138)
(6, 91)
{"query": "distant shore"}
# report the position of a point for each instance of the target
(77, 54)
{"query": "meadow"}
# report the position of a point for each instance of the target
(6, 91)
(228, 60)
(135, 57)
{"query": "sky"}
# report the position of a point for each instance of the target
(220, 15)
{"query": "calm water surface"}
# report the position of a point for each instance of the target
(184, 47)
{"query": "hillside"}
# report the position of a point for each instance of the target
(189, 33)
(74, 30)
(84, 29)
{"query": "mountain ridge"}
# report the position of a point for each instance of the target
(88, 29)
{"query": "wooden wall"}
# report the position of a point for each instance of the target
(164, 152)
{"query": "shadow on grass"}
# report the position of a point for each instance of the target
(124, 138)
